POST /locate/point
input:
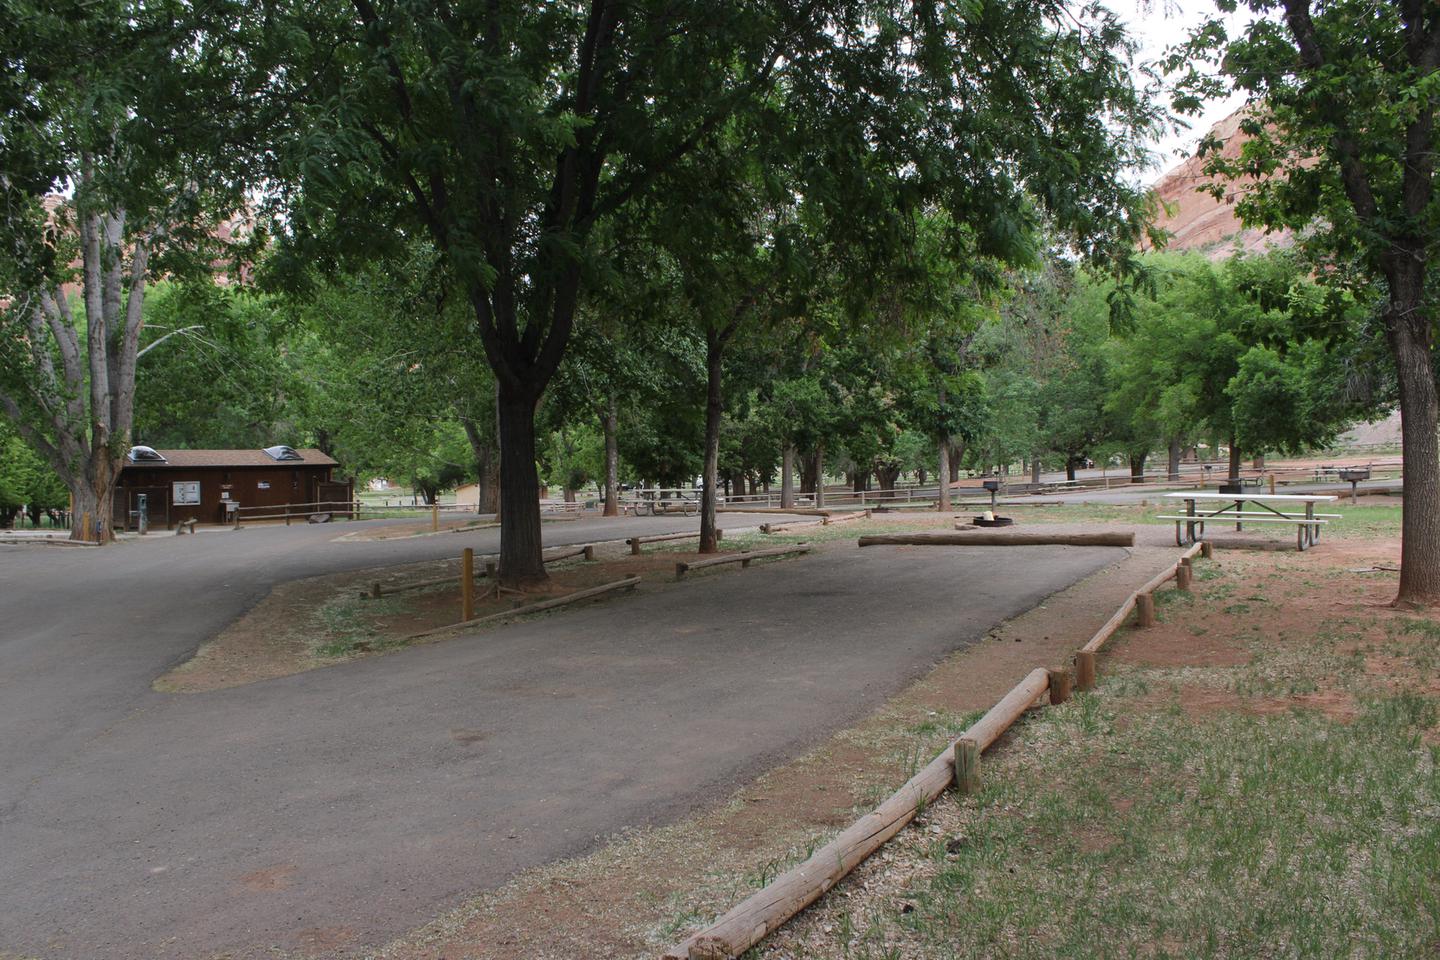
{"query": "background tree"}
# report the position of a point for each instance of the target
(90, 92)
(509, 134)
(1342, 148)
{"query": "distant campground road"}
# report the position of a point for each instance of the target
(347, 805)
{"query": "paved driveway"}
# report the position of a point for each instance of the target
(346, 805)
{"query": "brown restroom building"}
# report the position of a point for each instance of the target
(182, 485)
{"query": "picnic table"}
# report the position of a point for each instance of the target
(1272, 508)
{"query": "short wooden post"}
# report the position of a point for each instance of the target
(967, 766)
(1059, 687)
(1207, 549)
(1272, 484)
(635, 546)
(375, 589)
(435, 517)
(745, 562)
(1145, 604)
(590, 552)
(490, 570)
(287, 514)
(1085, 670)
(1182, 575)
(719, 534)
(467, 584)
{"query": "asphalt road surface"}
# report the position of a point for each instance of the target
(350, 804)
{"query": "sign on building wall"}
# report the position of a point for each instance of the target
(186, 493)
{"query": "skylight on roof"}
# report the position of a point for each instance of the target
(282, 452)
(144, 455)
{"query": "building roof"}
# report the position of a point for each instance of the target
(310, 457)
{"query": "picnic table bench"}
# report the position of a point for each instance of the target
(1273, 508)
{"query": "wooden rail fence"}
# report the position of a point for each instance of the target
(760, 914)
(743, 558)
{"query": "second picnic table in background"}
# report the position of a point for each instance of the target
(1307, 524)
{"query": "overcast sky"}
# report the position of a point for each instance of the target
(1160, 24)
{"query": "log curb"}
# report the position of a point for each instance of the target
(743, 558)
(626, 584)
(379, 589)
(764, 912)
(991, 538)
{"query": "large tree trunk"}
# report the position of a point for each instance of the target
(1035, 470)
(1137, 467)
(1172, 466)
(610, 423)
(887, 475)
(942, 475)
(94, 498)
(1234, 458)
(714, 348)
(1408, 330)
(1069, 468)
(521, 559)
(859, 480)
(957, 451)
(787, 477)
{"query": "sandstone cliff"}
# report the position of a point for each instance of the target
(1198, 221)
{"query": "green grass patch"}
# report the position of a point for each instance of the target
(1291, 835)
(345, 625)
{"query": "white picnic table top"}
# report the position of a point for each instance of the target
(1277, 497)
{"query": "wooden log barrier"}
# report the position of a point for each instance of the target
(743, 558)
(754, 918)
(979, 538)
(795, 889)
(1118, 618)
(852, 515)
(627, 584)
(636, 542)
(587, 551)
(786, 527)
(378, 590)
